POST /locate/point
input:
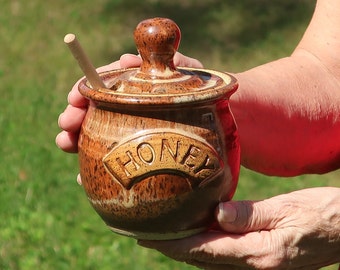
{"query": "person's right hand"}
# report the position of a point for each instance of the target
(71, 119)
(297, 230)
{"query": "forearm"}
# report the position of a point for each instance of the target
(288, 124)
(288, 111)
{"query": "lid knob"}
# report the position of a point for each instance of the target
(157, 40)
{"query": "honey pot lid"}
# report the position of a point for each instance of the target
(157, 81)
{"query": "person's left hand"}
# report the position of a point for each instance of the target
(299, 230)
(71, 119)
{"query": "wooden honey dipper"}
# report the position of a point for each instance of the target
(83, 61)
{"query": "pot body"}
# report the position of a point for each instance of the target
(158, 172)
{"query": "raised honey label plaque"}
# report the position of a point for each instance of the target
(156, 152)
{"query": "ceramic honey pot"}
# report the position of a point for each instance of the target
(159, 149)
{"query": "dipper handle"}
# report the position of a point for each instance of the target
(83, 61)
(157, 40)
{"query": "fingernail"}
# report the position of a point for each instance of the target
(57, 141)
(68, 97)
(79, 180)
(59, 119)
(226, 213)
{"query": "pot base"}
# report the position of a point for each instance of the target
(158, 236)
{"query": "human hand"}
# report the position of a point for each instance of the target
(299, 230)
(71, 119)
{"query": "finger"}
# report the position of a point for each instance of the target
(126, 61)
(70, 120)
(130, 60)
(247, 216)
(75, 98)
(67, 141)
(185, 61)
(254, 250)
(111, 66)
(212, 248)
(210, 266)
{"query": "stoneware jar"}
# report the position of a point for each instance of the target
(158, 148)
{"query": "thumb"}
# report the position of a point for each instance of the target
(245, 216)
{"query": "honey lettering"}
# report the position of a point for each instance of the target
(150, 154)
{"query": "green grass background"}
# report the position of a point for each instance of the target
(46, 221)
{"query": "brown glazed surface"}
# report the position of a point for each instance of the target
(158, 148)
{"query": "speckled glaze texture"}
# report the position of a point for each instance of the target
(159, 148)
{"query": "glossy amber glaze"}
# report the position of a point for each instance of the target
(158, 148)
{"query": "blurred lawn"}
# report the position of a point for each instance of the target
(46, 221)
